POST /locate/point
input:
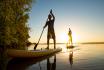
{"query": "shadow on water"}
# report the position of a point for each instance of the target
(23, 63)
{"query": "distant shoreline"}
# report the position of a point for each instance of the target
(92, 43)
(74, 43)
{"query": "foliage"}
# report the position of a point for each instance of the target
(14, 29)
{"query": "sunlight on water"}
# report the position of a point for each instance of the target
(64, 49)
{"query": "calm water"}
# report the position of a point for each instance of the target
(82, 57)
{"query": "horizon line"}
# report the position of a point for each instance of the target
(77, 43)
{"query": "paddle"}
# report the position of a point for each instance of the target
(38, 40)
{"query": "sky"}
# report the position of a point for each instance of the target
(84, 17)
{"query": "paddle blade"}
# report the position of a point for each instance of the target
(35, 46)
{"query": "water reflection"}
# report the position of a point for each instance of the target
(71, 57)
(24, 63)
(51, 66)
(40, 66)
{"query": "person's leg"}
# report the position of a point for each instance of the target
(54, 39)
(71, 39)
(55, 43)
(48, 42)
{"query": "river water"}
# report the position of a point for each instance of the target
(82, 57)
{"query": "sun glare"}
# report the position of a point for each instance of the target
(64, 37)
(74, 37)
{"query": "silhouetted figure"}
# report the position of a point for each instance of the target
(70, 36)
(71, 58)
(51, 32)
(51, 66)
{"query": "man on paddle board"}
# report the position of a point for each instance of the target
(51, 32)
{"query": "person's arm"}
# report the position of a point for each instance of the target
(52, 14)
(46, 24)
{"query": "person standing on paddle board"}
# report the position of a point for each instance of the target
(70, 36)
(51, 32)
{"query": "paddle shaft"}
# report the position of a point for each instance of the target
(38, 40)
(40, 36)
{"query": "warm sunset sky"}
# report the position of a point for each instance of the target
(85, 17)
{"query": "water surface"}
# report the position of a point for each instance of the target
(82, 57)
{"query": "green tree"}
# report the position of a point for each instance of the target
(14, 15)
(14, 29)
